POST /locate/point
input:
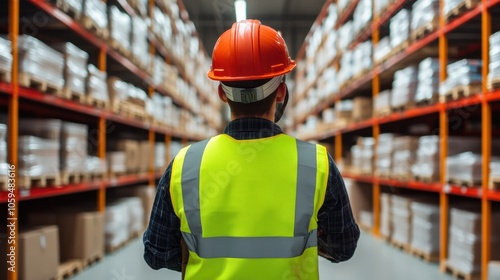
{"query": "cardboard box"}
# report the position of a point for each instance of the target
(81, 233)
(144, 156)
(37, 256)
(131, 149)
(360, 196)
(362, 108)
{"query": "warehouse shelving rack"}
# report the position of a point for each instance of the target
(17, 97)
(372, 80)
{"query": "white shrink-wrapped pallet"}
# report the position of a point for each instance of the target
(5, 59)
(39, 62)
(73, 153)
(464, 247)
(120, 25)
(401, 219)
(465, 168)
(117, 221)
(75, 68)
(71, 6)
(405, 148)
(97, 87)
(385, 215)
(139, 41)
(382, 103)
(135, 212)
(160, 156)
(465, 72)
(404, 87)
(37, 157)
(428, 81)
(95, 15)
(384, 152)
(426, 166)
(494, 54)
(425, 228)
(400, 28)
(116, 162)
(96, 165)
(362, 15)
(382, 49)
(424, 14)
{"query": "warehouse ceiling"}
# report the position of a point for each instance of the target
(293, 18)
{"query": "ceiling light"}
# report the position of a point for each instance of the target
(240, 7)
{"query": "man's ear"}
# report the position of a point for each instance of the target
(222, 94)
(280, 96)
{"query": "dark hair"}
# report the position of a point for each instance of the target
(254, 109)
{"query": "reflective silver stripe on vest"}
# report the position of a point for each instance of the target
(306, 186)
(190, 182)
(251, 247)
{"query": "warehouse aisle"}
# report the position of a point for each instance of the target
(374, 260)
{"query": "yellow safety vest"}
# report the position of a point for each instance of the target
(248, 208)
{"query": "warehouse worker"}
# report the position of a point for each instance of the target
(253, 202)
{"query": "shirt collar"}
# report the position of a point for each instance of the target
(252, 128)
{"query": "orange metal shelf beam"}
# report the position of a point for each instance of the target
(35, 95)
(493, 195)
(429, 187)
(474, 192)
(39, 193)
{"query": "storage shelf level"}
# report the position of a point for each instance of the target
(37, 193)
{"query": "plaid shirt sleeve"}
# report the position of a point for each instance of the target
(338, 232)
(162, 239)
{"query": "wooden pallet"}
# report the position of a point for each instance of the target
(424, 30)
(405, 247)
(120, 48)
(92, 26)
(494, 84)
(116, 174)
(403, 45)
(74, 177)
(426, 256)
(425, 179)
(429, 101)
(403, 108)
(30, 81)
(464, 183)
(383, 112)
(5, 76)
(401, 177)
(92, 260)
(70, 94)
(494, 183)
(383, 174)
(460, 92)
(67, 9)
(457, 274)
(98, 103)
(364, 227)
(68, 269)
(461, 8)
(26, 182)
(97, 176)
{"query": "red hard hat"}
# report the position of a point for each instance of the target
(249, 51)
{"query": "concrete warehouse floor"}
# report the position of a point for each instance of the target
(373, 260)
